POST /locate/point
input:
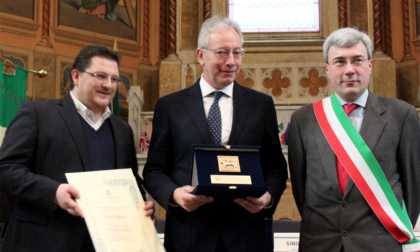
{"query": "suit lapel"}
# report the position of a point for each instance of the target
(119, 141)
(71, 118)
(372, 126)
(373, 122)
(240, 112)
(193, 104)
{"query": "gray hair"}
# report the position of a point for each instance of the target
(216, 24)
(345, 38)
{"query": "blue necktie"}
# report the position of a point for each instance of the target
(215, 119)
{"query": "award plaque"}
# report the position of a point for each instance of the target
(227, 172)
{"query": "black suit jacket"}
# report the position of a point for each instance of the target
(332, 221)
(179, 123)
(44, 141)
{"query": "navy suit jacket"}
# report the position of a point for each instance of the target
(43, 142)
(179, 123)
(332, 221)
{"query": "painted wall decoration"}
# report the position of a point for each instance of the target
(77, 22)
(116, 23)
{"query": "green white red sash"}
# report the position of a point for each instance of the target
(364, 169)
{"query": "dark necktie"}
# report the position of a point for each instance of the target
(215, 119)
(342, 174)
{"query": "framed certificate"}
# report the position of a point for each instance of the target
(227, 172)
(114, 211)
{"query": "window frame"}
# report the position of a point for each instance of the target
(288, 41)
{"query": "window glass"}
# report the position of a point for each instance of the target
(275, 15)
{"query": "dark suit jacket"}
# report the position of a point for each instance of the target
(179, 123)
(331, 220)
(44, 141)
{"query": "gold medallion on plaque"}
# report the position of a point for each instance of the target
(228, 164)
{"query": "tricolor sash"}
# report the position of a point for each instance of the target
(364, 169)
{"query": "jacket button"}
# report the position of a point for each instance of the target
(344, 204)
(344, 233)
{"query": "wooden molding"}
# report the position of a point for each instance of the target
(18, 25)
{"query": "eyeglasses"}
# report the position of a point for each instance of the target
(342, 62)
(223, 53)
(104, 77)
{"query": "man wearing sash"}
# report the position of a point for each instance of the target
(355, 178)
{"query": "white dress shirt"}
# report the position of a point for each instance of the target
(225, 104)
(88, 115)
(356, 116)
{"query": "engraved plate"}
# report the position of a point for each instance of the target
(228, 163)
(286, 242)
(231, 179)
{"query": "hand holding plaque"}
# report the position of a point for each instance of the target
(227, 172)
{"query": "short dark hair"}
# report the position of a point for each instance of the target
(83, 60)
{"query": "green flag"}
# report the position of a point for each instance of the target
(12, 95)
(115, 105)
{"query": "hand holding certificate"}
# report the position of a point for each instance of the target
(114, 211)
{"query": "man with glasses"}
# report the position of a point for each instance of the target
(49, 138)
(183, 119)
(354, 159)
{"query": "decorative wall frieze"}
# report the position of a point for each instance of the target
(278, 81)
(287, 83)
(313, 82)
(246, 77)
